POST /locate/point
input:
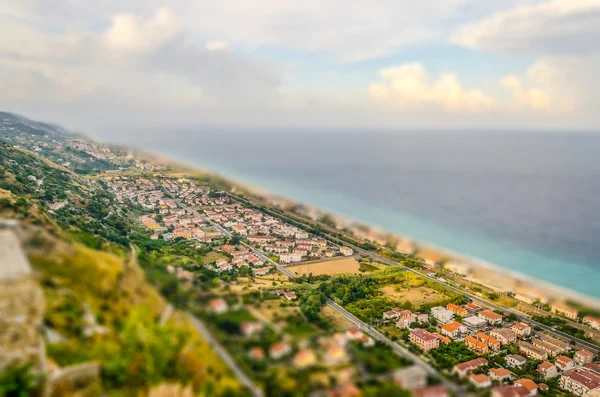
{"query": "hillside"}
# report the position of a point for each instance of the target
(100, 307)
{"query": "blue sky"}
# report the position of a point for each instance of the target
(388, 64)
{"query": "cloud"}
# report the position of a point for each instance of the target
(217, 45)
(557, 27)
(134, 61)
(134, 33)
(409, 86)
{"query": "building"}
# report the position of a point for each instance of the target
(551, 348)
(564, 363)
(593, 322)
(492, 343)
(547, 370)
(583, 357)
(444, 339)
(346, 251)
(395, 313)
(250, 328)
(453, 329)
(480, 381)
(506, 336)
(490, 316)
(424, 339)
(256, 353)
(431, 391)
(217, 306)
(528, 384)
(581, 381)
(522, 330)
(500, 374)
(290, 295)
(279, 350)
(463, 369)
(474, 323)
(568, 312)
(305, 358)
(458, 310)
(515, 361)
(354, 333)
(289, 258)
(410, 377)
(476, 345)
(405, 321)
(510, 391)
(441, 314)
(532, 351)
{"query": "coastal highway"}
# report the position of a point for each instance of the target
(399, 350)
(484, 302)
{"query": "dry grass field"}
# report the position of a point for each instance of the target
(332, 266)
(417, 296)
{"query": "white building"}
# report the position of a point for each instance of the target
(441, 314)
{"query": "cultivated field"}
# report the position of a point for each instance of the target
(417, 296)
(332, 266)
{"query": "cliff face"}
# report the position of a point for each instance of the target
(21, 306)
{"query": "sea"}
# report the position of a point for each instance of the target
(525, 201)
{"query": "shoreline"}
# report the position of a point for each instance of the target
(478, 270)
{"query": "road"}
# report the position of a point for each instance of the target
(225, 356)
(475, 298)
(401, 351)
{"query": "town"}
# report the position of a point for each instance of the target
(291, 308)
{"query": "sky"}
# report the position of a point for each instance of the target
(128, 65)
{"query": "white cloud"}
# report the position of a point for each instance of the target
(537, 90)
(556, 27)
(134, 33)
(217, 45)
(409, 86)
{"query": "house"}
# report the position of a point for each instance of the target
(261, 272)
(582, 380)
(510, 391)
(547, 370)
(423, 318)
(441, 314)
(550, 348)
(249, 328)
(480, 381)
(335, 354)
(522, 330)
(562, 310)
(528, 384)
(506, 336)
(593, 322)
(217, 306)
(305, 358)
(395, 313)
(444, 339)
(220, 262)
(289, 258)
(476, 345)
(431, 391)
(564, 363)
(474, 323)
(583, 357)
(492, 343)
(406, 321)
(458, 310)
(424, 339)
(515, 361)
(346, 251)
(532, 351)
(490, 316)
(453, 329)
(239, 229)
(290, 295)
(463, 369)
(354, 333)
(559, 344)
(410, 377)
(367, 341)
(256, 353)
(500, 374)
(279, 350)
(472, 308)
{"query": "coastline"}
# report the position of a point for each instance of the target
(467, 266)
